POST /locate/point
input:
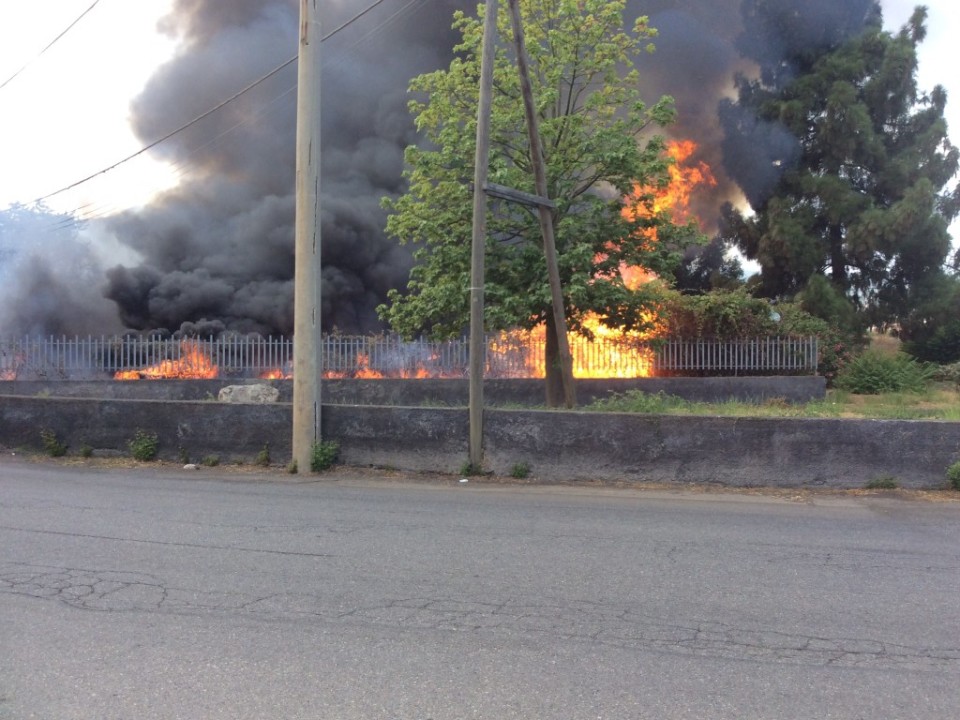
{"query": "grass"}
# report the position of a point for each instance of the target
(940, 401)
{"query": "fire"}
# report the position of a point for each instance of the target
(613, 354)
(275, 374)
(625, 355)
(193, 364)
(685, 178)
(363, 371)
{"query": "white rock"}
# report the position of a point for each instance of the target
(190, 466)
(260, 394)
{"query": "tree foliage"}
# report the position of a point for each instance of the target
(852, 178)
(931, 331)
(599, 140)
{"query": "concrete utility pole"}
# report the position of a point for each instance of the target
(478, 340)
(546, 216)
(306, 301)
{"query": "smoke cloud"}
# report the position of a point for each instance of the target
(219, 247)
(50, 277)
(216, 252)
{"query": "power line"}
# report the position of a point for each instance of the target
(171, 134)
(50, 45)
(229, 100)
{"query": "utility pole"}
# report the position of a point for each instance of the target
(306, 305)
(546, 215)
(478, 341)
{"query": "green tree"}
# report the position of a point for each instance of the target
(599, 145)
(931, 332)
(854, 164)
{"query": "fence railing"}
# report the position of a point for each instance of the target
(507, 355)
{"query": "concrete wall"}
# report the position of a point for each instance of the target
(557, 445)
(449, 393)
(232, 431)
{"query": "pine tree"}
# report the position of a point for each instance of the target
(854, 164)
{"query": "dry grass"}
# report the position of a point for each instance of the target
(884, 343)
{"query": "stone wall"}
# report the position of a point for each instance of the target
(556, 445)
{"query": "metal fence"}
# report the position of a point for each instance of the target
(507, 355)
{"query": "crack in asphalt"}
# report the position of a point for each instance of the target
(201, 546)
(611, 625)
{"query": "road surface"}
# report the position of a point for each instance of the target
(145, 593)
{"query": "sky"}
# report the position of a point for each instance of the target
(65, 116)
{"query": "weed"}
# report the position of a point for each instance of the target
(292, 467)
(52, 444)
(953, 475)
(885, 482)
(469, 469)
(637, 401)
(210, 461)
(520, 470)
(144, 446)
(183, 456)
(86, 451)
(263, 457)
(323, 455)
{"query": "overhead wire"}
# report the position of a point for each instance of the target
(102, 210)
(209, 112)
(49, 45)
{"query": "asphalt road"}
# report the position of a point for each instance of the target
(147, 593)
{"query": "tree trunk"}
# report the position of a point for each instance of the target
(838, 260)
(551, 358)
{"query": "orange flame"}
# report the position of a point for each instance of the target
(363, 371)
(274, 374)
(685, 178)
(623, 356)
(193, 364)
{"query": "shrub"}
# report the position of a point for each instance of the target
(52, 444)
(211, 461)
(86, 451)
(732, 315)
(323, 455)
(953, 476)
(872, 373)
(520, 470)
(144, 446)
(887, 482)
(263, 457)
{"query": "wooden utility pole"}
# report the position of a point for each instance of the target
(306, 305)
(546, 215)
(478, 340)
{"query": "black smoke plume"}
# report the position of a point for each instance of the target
(219, 247)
